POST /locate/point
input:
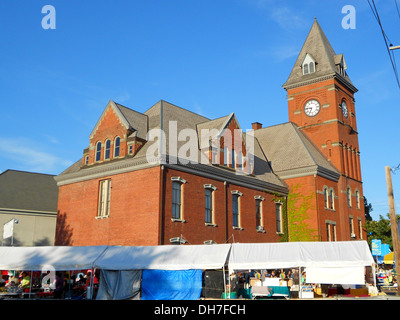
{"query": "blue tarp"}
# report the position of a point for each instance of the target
(171, 284)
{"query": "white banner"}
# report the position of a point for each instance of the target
(345, 275)
(8, 229)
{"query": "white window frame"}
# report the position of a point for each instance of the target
(104, 201)
(210, 188)
(177, 181)
(279, 222)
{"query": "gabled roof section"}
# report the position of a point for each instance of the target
(138, 122)
(166, 116)
(31, 191)
(132, 120)
(318, 46)
(292, 154)
(216, 127)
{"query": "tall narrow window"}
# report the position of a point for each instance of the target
(176, 200)
(334, 232)
(208, 205)
(351, 221)
(349, 196)
(226, 156)
(278, 209)
(360, 229)
(332, 199)
(240, 160)
(233, 158)
(116, 146)
(326, 198)
(312, 69)
(258, 214)
(104, 198)
(328, 232)
(358, 199)
(107, 150)
(98, 151)
(235, 210)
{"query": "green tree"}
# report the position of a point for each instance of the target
(368, 210)
(380, 229)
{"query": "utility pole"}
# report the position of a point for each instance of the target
(393, 224)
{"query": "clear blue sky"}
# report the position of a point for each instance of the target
(211, 57)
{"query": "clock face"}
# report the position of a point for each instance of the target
(311, 108)
(344, 109)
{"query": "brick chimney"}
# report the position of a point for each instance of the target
(256, 125)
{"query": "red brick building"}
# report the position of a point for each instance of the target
(169, 175)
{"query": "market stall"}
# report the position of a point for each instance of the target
(326, 262)
(166, 272)
(39, 262)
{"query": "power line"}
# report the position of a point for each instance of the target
(385, 38)
(394, 169)
(397, 8)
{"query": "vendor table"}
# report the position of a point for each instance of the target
(270, 291)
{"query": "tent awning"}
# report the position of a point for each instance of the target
(56, 257)
(388, 259)
(166, 257)
(299, 254)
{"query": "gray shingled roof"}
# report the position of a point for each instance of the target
(28, 191)
(318, 46)
(185, 119)
(291, 152)
(138, 121)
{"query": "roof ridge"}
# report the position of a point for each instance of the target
(24, 171)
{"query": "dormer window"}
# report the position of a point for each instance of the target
(308, 65)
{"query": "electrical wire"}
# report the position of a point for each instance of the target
(386, 39)
(397, 7)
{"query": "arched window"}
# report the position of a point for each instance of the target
(349, 196)
(107, 151)
(308, 64)
(358, 199)
(332, 199)
(305, 68)
(116, 146)
(98, 151)
(326, 198)
(312, 69)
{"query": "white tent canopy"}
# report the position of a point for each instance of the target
(326, 262)
(332, 261)
(166, 257)
(299, 254)
(57, 257)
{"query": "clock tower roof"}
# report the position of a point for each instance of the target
(317, 61)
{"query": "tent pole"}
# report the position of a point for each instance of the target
(300, 285)
(30, 284)
(223, 274)
(229, 281)
(374, 274)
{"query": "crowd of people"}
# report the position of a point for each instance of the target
(58, 285)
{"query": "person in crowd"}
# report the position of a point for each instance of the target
(58, 286)
(303, 277)
(25, 280)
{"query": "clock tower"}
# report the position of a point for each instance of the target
(321, 103)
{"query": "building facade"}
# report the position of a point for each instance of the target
(169, 175)
(29, 199)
